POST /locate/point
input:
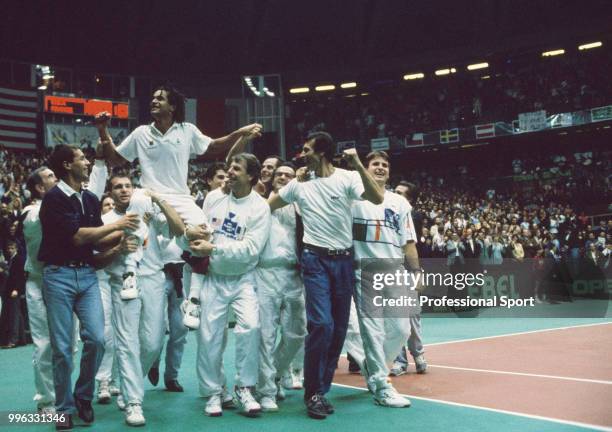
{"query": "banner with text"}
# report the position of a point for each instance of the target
(379, 144)
(83, 136)
(601, 113)
(532, 121)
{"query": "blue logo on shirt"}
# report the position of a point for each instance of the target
(392, 219)
(230, 228)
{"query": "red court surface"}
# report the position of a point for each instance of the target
(563, 374)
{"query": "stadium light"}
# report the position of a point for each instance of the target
(414, 76)
(299, 90)
(476, 66)
(441, 72)
(348, 85)
(589, 46)
(553, 53)
(326, 87)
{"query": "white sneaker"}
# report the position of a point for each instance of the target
(389, 397)
(133, 415)
(287, 381)
(213, 406)
(397, 369)
(246, 402)
(129, 291)
(46, 410)
(298, 379)
(191, 309)
(280, 390)
(421, 364)
(114, 390)
(120, 403)
(104, 394)
(268, 404)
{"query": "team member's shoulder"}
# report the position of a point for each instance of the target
(142, 131)
(109, 217)
(396, 202)
(189, 126)
(216, 195)
(259, 201)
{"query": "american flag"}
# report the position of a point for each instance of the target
(18, 118)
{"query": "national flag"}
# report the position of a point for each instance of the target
(18, 118)
(485, 130)
(449, 136)
(416, 140)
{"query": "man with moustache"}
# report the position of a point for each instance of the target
(327, 260)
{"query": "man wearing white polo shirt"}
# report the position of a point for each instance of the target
(327, 261)
(163, 149)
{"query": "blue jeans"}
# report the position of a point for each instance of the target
(67, 290)
(328, 282)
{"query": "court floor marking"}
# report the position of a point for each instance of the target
(514, 413)
(518, 333)
(586, 380)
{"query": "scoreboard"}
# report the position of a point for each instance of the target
(82, 106)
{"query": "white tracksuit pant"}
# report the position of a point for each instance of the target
(280, 293)
(39, 328)
(191, 214)
(108, 367)
(139, 332)
(375, 340)
(218, 294)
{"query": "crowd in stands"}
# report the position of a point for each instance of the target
(537, 213)
(557, 85)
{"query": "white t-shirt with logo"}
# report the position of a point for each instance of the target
(325, 204)
(164, 158)
(381, 231)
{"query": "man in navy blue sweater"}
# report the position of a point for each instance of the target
(71, 227)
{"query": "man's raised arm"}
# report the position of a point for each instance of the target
(372, 191)
(110, 150)
(220, 146)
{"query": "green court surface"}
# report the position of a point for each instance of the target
(355, 410)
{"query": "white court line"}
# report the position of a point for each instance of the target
(586, 380)
(515, 413)
(518, 333)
